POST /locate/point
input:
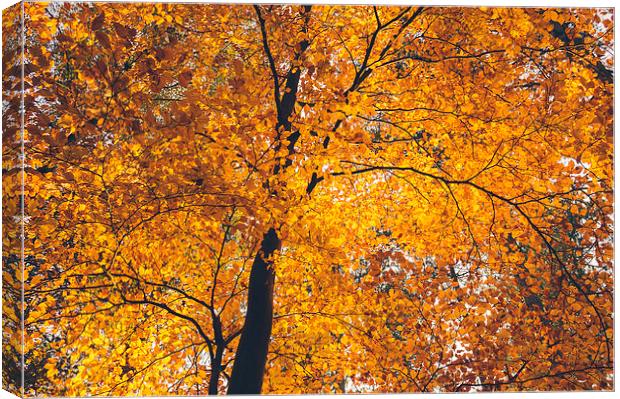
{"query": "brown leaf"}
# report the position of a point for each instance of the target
(97, 22)
(124, 32)
(103, 39)
(185, 78)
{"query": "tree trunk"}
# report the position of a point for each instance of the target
(251, 357)
(216, 369)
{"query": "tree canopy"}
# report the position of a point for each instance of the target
(305, 199)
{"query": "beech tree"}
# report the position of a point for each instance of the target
(305, 199)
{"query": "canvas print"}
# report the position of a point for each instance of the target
(205, 199)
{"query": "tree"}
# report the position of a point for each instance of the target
(284, 199)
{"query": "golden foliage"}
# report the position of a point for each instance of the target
(443, 190)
